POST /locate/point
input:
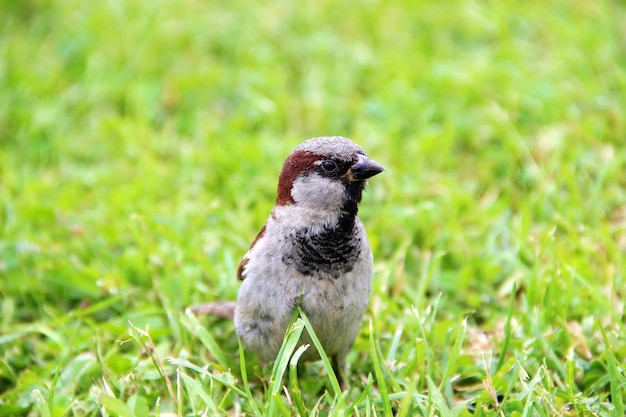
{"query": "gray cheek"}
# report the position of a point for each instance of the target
(313, 191)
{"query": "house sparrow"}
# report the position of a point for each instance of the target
(312, 251)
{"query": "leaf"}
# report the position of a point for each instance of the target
(115, 406)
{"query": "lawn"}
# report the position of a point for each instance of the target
(140, 145)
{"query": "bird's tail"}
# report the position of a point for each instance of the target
(222, 309)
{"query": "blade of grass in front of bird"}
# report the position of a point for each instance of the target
(334, 383)
(292, 337)
(296, 392)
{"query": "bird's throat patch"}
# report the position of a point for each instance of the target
(329, 254)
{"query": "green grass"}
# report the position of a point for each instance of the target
(140, 143)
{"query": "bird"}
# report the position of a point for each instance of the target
(313, 253)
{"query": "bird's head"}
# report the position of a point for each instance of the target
(325, 173)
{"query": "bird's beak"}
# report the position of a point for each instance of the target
(363, 169)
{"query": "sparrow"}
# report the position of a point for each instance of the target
(312, 252)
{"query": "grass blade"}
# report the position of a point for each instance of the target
(378, 371)
(190, 321)
(115, 406)
(41, 403)
(616, 378)
(196, 390)
(334, 383)
(507, 329)
(455, 353)
(292, 337)
(244, 379)
(296, 392)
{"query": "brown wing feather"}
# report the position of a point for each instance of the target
(245, 260)
(242, 265)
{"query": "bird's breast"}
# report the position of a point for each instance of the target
(329, 251)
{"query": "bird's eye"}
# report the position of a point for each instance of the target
(329, 166)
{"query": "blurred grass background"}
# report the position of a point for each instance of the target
(140, 143)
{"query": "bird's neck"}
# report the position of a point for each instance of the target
(322, 242)
(317, 220)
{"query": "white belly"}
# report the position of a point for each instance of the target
(335, 308)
